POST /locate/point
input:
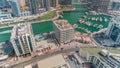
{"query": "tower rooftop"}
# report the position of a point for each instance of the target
(63, 24)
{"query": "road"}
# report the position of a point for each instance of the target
(38, 58)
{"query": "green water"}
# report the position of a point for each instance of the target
(42, 27)
(4, 29)
(74, 16)
(74, 1)
(71, 16)
(6, 36)
(91, 28)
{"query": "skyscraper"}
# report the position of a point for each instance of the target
(22, 2)
(116, 5)
(15, 7)
(41, 4)
(65, 2)
(22, 40)
(2, 3)
(33, 4)
(64, 32)
(54, 3)
(46, 4)
(113, 31)
(99, 5)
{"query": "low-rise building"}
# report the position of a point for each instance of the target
(5, 16)
(102, 58)
(25, 13)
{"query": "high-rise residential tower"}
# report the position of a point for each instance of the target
(2, 3)
(113, 31)
(22, 2)
(99, 5)
(65, 2)
(54, 3)
(46, 4)
(22, 40)
(14, 4)
(34, 8)
(116, 5)
(41, 4)
(64, 32)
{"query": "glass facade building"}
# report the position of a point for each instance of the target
(116, 6)
(22, 40)
(15, 7)
(99, 5)
(33, 4)
(65, 2)
(46, 4)
(41, 4)
(2, 3)
(53, 3)
(113, 31)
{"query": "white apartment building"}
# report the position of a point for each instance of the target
(64, 32)
(22, 40)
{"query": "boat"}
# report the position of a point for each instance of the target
(100, 19)
(60, 16)
(105, 20)
(80, 21)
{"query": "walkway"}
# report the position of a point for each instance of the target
(113, 54)
(8, 31)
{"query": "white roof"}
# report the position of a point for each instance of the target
(105, 52)
(28, 66)
(52, 62)
(118, 18)
(3, 57)
(116, 0)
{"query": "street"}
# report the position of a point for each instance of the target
(38, 58)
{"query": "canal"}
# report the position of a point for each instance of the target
(73, 17)
(5, 34)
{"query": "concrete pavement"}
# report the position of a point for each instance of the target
(38, 58)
